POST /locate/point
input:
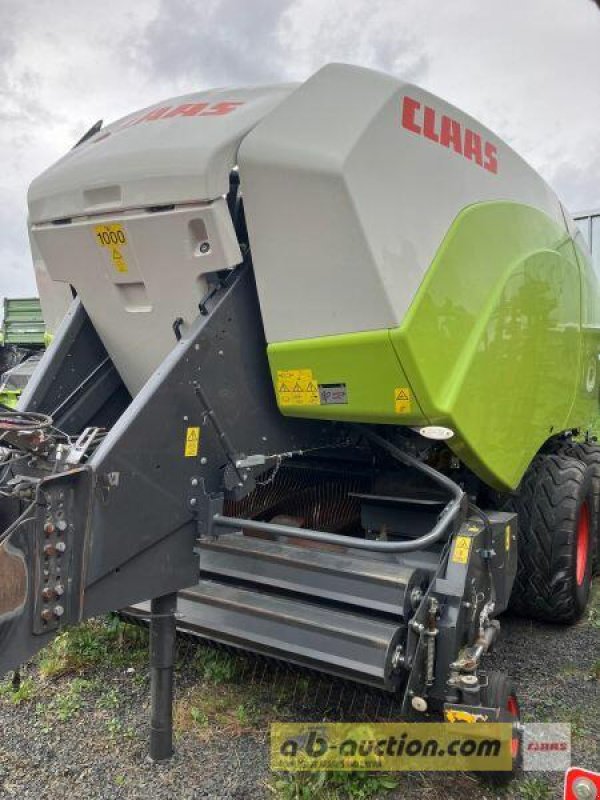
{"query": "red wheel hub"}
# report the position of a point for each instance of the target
(583, 543)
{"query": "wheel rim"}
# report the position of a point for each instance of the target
(583, 543)
(512, 707)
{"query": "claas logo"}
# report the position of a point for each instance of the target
(186, 110)
(448, 132)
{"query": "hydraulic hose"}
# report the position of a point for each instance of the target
(448, 514)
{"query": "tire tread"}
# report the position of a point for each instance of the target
(547, 505)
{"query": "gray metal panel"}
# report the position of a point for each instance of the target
(161, 275)
(304, 633)
(354, 580)
(130, 516)
(145, 481)
(75, 382)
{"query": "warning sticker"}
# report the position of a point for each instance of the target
(297, 387)
(462, 547)
(333, 393)
(402, 400)
(192, 442)
(112, 239)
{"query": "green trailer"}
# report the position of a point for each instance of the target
(23, 323)
(23, 337)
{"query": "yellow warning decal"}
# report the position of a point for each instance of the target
(113, 238)
(192, 442)
(462, 547)
(507, 538)
(297, 387)
(402, 400)
(460, 715)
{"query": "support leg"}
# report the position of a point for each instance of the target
(162, 657)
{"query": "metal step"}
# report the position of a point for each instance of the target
(354, 580)
(341, 643)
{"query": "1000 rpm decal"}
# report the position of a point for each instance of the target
(112, 238)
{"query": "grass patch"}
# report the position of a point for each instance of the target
(216, 666)
(228, 699)
(333, 785)
(109, 700)
(594, 606)
(534, 789)
(67, 704)
(23, 692)
(209, 708)
(569, 671)
(98, 642)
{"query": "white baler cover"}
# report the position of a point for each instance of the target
(150, 158)
(175, 157)
(347, 200)
(346, 206)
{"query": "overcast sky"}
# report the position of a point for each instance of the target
(528, 69)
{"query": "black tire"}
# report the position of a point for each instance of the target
(556, 506)
(589, 453)
(500, 693)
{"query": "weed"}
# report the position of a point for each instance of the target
(114, 726)
(19, 693)
(247, 713)
(301, 786)
(594, 606)
(209, 709)
(215, 666)
(97, 642)
(67, 704)
(109, 700)
(569, 670)
(596, 671)
(333, 785)
(534, 789)
(198, 716)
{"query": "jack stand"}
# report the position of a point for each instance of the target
(162, 657)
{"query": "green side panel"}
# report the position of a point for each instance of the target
(494, 342)
(585, 411)
(365, 362)
(500, 344)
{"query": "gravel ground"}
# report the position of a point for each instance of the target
(85, 733)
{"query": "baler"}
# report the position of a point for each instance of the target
(328, 375)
